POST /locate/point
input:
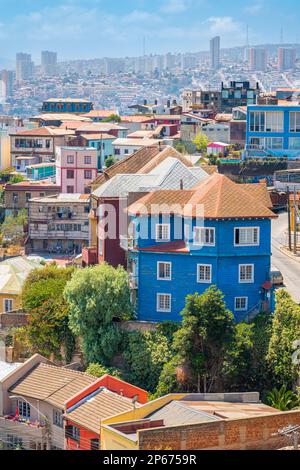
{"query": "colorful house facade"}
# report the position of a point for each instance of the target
(183, 241)
(273, 130)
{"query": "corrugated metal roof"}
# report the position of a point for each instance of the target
(177, 413)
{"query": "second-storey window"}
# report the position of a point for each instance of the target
(87, 174)
(204, 236)
(246, 236)
(58, 418)
(246, 273)
(162, 232)
(204, 273)
(24, 409)
(87, 160)
(70, 159)
(70, 174)
(163, 302)
(164, 271)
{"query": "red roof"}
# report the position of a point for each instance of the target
(172, 247)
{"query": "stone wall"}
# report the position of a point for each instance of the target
(235, 434)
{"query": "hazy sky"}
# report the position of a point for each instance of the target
(97, 28)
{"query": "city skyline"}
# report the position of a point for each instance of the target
(87, 29)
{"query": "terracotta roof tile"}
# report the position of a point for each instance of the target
(218, 195)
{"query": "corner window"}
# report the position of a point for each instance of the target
(246, 236)
(163, 232)
(164, 271)
(204, 273)
(163, 302)
(241, 304)
(246, 273)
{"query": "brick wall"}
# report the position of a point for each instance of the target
(237, 434)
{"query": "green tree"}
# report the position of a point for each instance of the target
(12, 229)
(110, 161)
(145, 354)
(113, 118)
(285, 331)
(97, 297)
(98, 370)
(201, 142)
(201, 344)
(282, 399)
(47, 330)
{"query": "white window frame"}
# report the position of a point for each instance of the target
(170, 267)
(246, 244)
(163, 226)
(4, 306)
(158, 308)
(204, 281)
(201, 231)
(241, 309)
(246, 281)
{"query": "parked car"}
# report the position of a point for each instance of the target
(276, 277)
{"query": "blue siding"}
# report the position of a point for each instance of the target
(224, 258)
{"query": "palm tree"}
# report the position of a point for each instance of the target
(282, 399)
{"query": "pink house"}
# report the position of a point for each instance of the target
(76, 168)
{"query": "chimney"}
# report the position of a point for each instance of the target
(168, 103)
(145, 102)
(181, 184)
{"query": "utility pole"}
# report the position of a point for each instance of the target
(295, 222)
(289, 218)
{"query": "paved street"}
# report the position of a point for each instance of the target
(289, 268)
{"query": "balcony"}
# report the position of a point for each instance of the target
(22, 427)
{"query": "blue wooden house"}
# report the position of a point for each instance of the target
(183, 241)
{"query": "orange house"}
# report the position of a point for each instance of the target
(106, 397)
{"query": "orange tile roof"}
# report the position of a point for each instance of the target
(45, 132)
(101, 113)
(172, 247)
(217, 195)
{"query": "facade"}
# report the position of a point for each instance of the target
(67, 105)
(194, 99)
(24, 67)
(125, 147)
(58, 224)
(40, 171)
(49, 63)
(34, 146)
(286, 58)
(76, 168)
(228, 246)
(32, 404)
(13, 272)
(258, 59)
(17, 196)
(215, 52)
(204, 421)
(273, 131)
(238, 94)
(106, 397)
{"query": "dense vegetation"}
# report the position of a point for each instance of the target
(206, 352)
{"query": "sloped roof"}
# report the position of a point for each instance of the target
(218, 195)
(13, 273)
(45, 132)
(51, 383)
(100, 127)
(137, 162)
(97, 407)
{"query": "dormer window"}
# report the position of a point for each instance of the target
(163, 232)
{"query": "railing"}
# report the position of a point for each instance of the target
(253, 312)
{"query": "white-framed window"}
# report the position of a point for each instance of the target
(24, 409)
(246, 273)
(204, 273)
(162, 232)
(8, 305)
(204, 236)
(241, 304)
(246, 236)
(163, 302)
(164, 271)
(295, 121)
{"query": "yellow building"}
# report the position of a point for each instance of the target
(13, 272)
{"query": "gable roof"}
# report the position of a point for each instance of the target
(137, 162)
(218, 195)
(100, 405)
(44, 132)
(51, 384)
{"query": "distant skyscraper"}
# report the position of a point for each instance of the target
(286, 58)
(258, 59)
(113, 66)
(48, 63)
(24, 67)
(215, 52)
(7, 78)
